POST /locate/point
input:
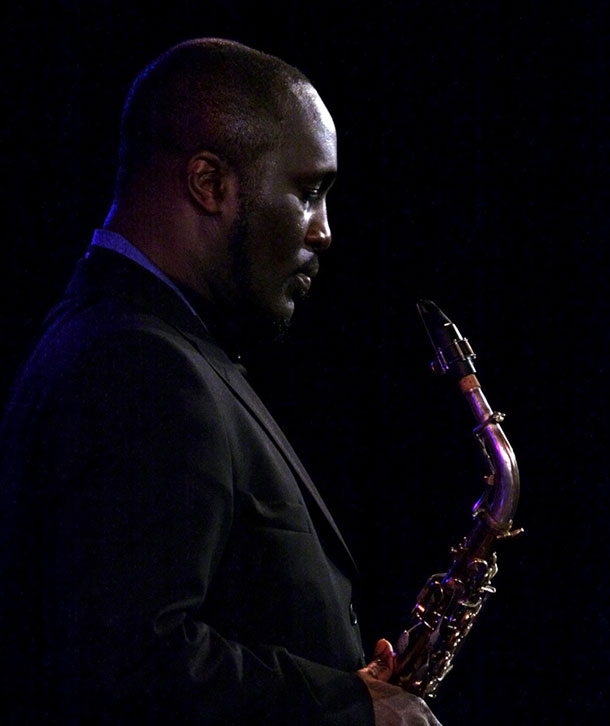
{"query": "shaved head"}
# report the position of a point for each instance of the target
(207, 93)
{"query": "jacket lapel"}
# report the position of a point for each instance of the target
(247, 396)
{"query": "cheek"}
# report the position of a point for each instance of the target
(282, 232)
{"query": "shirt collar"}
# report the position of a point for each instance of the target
(117, 243)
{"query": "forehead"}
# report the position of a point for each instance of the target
(308, 141)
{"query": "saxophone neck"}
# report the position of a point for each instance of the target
(500, 455)
(454, 356)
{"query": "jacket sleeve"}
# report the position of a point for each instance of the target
(137, 469)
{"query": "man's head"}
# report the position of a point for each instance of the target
(227, 154)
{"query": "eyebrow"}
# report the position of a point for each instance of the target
(328, 179)
(325, 178)
(322, 177)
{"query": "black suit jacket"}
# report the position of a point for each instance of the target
(167, 558)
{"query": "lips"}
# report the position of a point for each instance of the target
(304, 281)
(310, 268)
(306, 273)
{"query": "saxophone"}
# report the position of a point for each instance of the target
(449, 602)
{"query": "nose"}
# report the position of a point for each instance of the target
(319, 235)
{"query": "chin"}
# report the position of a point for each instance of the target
(287, 311)
(280, 309)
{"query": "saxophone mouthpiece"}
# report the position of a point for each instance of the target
(431, 314)
(452, 351)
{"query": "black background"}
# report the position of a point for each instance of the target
(474, 159)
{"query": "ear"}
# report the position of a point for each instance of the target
(209, 181)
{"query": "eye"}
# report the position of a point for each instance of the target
(309, 195)
(313, 188)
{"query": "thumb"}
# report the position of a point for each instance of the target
(383, 648)
(382, 665)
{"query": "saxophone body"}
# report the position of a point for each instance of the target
(450, 602)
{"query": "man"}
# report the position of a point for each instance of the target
(169, 558)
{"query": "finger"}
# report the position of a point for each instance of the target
(383, 649)
(382, 665)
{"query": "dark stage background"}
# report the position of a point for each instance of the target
(474, 162)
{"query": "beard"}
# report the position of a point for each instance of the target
(254, 324)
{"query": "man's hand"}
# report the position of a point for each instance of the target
(392, 705)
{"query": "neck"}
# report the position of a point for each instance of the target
(166, 232)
